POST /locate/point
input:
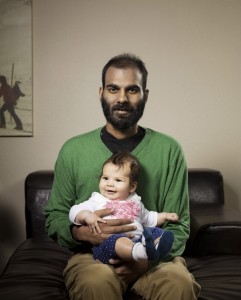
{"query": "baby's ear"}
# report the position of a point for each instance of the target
(133, 187)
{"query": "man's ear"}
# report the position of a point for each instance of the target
(100, 92)
(146, 93)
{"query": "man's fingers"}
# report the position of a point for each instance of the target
(97, 227)
(112, 229)
(103, 212)
(93, 230)
(118, 222)
(101, 220)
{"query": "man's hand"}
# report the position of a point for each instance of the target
(129, 271)
(83, 233)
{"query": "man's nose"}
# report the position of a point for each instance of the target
(122, 96)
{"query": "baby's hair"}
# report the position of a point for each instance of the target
(121, 158)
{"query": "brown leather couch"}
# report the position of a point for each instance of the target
(213, 251)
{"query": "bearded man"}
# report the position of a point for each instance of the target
(162, 186)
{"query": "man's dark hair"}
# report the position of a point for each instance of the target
(126, 61)
(121, 158)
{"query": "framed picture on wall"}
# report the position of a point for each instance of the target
(16, 92)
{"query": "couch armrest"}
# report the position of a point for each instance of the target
(215, 229)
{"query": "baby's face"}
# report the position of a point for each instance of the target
(115, 182)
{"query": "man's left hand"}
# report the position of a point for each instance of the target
(129, 271)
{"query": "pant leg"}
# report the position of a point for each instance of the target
(2, 117)
(168, 281)
(15, 117)
(88, 279)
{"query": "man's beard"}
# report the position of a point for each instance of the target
(123, 122)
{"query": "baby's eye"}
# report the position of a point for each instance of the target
(118, 180)
(105, 178)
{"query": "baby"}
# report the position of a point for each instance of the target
(117, 185)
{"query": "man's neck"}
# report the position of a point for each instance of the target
(122, 134)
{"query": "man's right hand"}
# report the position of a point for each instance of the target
(112, 226)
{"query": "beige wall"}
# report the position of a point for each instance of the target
(192, 51)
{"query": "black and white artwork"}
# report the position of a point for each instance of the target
(16, 96)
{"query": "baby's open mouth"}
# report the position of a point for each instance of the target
(110, 191)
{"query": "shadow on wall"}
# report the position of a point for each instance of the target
(9, 234)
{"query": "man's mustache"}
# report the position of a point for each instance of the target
(123, 107)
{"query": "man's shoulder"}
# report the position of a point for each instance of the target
(160, 137)
(83, 137)
(81, 143)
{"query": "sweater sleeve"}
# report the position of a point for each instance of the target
(62, 197)
(177, 200)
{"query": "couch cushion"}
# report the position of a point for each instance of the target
(35, 271)
(219, 276)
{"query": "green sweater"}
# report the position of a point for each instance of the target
(162, 183)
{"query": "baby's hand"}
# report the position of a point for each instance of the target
(92, 221)
(172, 217)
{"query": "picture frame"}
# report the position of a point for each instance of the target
(16, 88)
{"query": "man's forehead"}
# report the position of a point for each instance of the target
(115, 75)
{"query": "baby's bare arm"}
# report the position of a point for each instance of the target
(164, 217)
(90, 219)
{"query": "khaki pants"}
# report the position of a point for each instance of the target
(86, 279)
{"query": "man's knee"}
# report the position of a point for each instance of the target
(97, 281)
(184, 283)
(98, 276)
(181, 281)
(168, 281)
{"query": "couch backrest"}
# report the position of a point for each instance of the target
(37, 190)
(205, 188)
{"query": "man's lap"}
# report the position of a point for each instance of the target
(82, 268)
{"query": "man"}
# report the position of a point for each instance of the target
(9, 100)
(162, 186)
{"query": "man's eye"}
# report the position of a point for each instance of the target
(133, 91)
(112, 90)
